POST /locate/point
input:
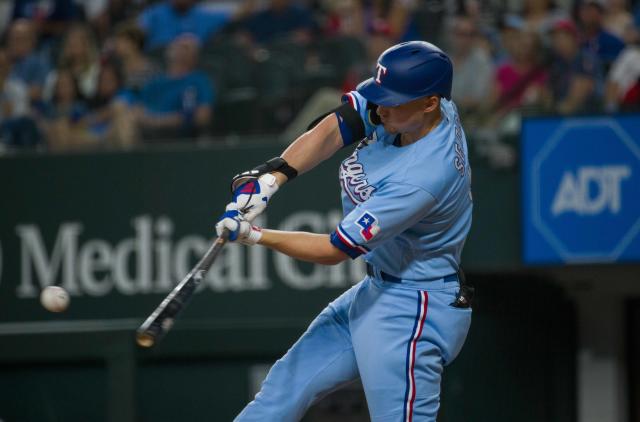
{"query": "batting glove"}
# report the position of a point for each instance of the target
(252, 197)
(239, 228)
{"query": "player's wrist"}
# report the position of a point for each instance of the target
(270, 183)
(281, 178)
(254, 236)
(277, 166)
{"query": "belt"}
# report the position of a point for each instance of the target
(371, 271)
(384, 276)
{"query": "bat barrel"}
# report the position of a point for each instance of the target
(151, 331)
(161, 320)
(145, 339)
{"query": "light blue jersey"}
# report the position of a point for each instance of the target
(407, 209)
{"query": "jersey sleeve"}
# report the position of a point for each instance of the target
(360, 104)
(390, 211)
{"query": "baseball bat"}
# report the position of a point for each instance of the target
(161, 320)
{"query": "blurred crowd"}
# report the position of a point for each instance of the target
(80, 74)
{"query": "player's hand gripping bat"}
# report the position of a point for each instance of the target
(161, 320)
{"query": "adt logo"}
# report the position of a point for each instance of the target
(574, 192)
(581, 185)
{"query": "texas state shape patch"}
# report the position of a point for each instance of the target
(369, 225)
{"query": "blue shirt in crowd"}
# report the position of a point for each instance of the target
(162, 24)
(605, 45)
(270, 24)
(166, 94)
(58, 10)
(32, 69)
(562, 72)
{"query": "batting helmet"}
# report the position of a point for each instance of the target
(408, 71)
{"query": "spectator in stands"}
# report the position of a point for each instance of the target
(343, 18)
(617, 18)
(105, 15)
(14, 95)
(473, 66)
(51, 18)
(177, 104)
(574, 72)
(17, 129)
(129, 50)
(511, 27)
(64, 113)
(110, 84)
(595, 38)
(539, 15)
(27, 65)
(623, 81)
(520, 80)
(519, 83)
(101, 108)
(281, 19)
(164, 21)
(79, 55)
(402, 25)
(357, 18)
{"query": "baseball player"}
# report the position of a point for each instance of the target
(407, 210)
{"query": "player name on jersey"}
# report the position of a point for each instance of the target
(152, 260)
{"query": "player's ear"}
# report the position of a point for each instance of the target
(431, 103)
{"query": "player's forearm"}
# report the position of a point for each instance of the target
(310, 247)
(314, 146)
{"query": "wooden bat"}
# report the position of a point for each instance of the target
(161, 320)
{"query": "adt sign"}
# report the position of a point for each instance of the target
(581, 190)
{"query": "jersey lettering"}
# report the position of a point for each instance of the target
(354, 180)
(459, 162)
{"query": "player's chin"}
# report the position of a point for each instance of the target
(389, 129)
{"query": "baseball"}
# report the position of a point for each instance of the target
(54, 299)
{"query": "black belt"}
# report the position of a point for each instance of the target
(384, 276)
(464, 298)
(393, 279)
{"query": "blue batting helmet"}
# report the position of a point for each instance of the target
(408, 71)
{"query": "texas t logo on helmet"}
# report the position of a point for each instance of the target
(381, 71)
(409, 70)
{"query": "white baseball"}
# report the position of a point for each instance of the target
(54, 299)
